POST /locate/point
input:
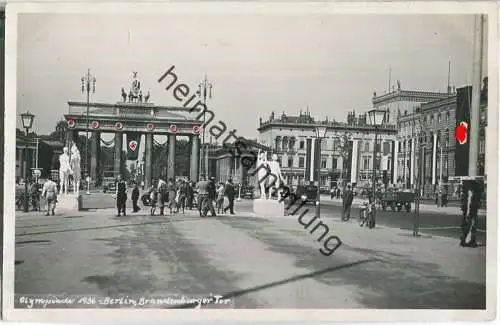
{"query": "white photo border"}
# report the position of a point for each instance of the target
(261, 315)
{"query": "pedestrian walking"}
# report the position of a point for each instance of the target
(162, 195)
(220, 197)
(153, 197)
(49, 193)
(230, 192)
(135, 198)
(172, 193)
(121, 196)
(347, 199)
(35, 196)
(189, 195)
(203, 204)
(181, 196)
(212, 195)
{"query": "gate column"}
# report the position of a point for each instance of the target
(118, 152)
(171, 157)
(95, 157)
(149, 160)
(193, 164)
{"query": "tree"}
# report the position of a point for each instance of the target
(60, 131)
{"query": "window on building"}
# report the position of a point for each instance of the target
(284, 144)
(324, 144)
(439, 118)
(323, 162)
(334, 163)
(447, 116)
(290, 162)
(399, 147)
(366, 163)
(446, 138)
(301, 144)
(367, 146)
(301, 162)
(482, 145)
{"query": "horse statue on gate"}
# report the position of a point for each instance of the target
(75, 167)
(64, 171)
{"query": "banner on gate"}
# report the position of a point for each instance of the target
(133, 144)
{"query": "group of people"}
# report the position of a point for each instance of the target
(179, 196)
(209, 192)
(176, 196)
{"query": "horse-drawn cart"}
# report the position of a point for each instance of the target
(397, 200)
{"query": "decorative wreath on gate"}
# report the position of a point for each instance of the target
(119, 126)
(196, 129)
(71, 123)
(150, 126)
(173, 128)
(94, 125)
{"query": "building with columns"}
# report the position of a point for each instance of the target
(346, 152)
(432, 125)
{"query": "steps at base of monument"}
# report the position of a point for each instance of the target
(67, 202)
(97, 201)
(268, 208)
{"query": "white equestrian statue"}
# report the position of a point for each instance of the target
(64, 171)
(75, 168)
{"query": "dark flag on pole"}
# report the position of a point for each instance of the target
(133, 144)
(313, 159)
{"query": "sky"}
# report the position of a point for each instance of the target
(256, 63)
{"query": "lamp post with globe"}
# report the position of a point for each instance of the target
(377, 119)
(27, 119)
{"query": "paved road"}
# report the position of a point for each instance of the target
(256, 262)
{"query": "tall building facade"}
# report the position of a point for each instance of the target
(346, 152)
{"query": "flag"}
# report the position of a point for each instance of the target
(133, 144)
(313, 159)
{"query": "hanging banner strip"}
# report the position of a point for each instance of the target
(133, 145)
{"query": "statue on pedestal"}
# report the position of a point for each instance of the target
(263, 173)
(75, 167)
(124, 95)
(274, 165)
(64, 171)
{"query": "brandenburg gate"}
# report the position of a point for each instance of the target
(132, 117)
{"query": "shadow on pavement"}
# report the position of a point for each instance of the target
(34, 242)
(239, 293)
(394, 281)
(158, 260)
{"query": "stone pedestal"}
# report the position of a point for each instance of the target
(66, 203)
(268, 208)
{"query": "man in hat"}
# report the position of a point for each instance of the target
(121, 195)
(212, 195)
(49, 193)
(347, 199)
(203, 185)
(230, 193)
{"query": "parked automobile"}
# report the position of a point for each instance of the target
(307, 193)
(110, 187)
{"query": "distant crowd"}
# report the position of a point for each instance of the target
(206, 196)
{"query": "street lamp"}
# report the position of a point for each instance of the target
(88, 85)
(204, 89)
(27, 119)
(320, 131)
(377, 118)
